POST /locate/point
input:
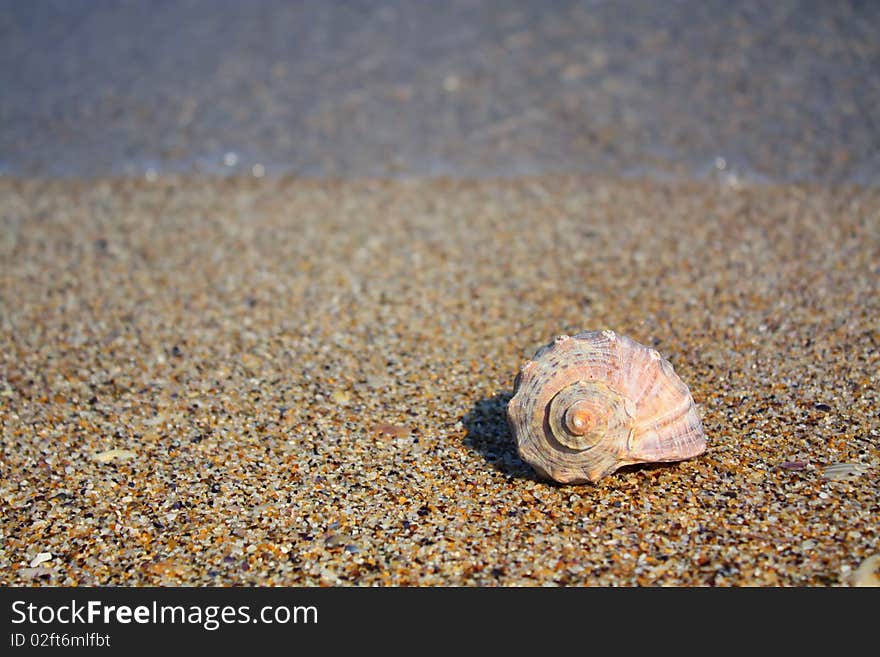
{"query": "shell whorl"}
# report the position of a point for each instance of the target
(582, 413)
(588, 404)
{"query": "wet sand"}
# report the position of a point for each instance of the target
(279, 381)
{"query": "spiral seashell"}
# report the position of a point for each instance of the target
(586, 405)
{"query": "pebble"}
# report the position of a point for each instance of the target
(115, 455)
(42, 557)
(868, 573)
(842, 471)
(391, 430)
(33, 573)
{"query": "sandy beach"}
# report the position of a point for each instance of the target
(269, 381)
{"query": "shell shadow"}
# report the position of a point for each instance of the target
(489, 435)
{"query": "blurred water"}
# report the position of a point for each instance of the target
(786, 90)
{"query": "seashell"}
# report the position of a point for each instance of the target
(586, 405)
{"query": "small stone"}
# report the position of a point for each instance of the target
(34, 573)
(392, 430)
(42, 557)
(868, 573)
(841, 471)
(340, 397)
(164, 568)
(115, 455)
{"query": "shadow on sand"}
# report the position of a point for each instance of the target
(489, 435)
